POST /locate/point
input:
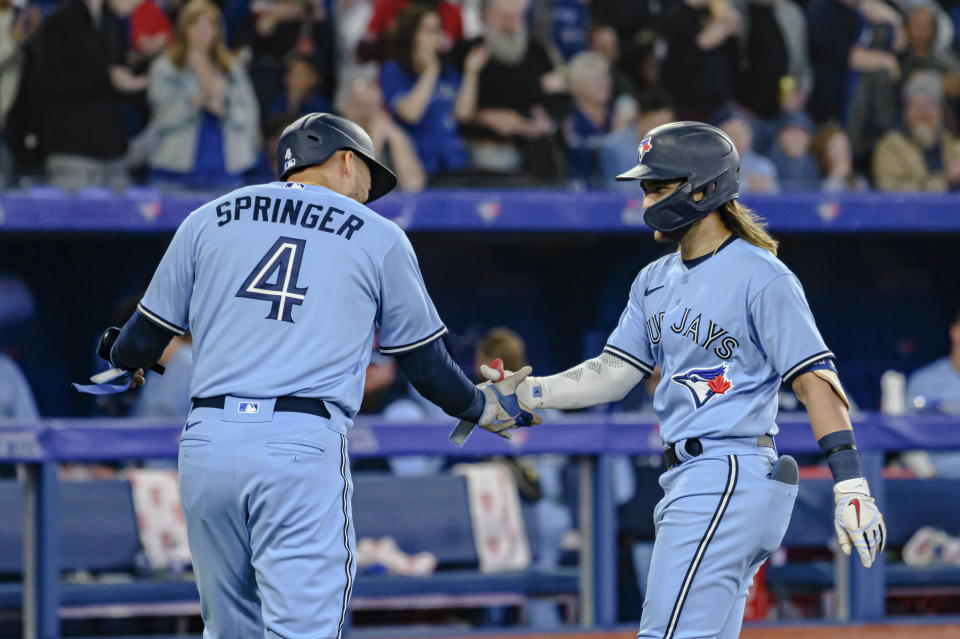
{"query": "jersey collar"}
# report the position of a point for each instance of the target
(299, 186)
(703, 258)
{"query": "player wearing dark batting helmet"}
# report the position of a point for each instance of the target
(283, 286)
(727, 323)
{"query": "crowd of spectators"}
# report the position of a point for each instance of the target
(834, 95)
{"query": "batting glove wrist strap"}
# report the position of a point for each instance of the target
(857, 520)
(840, 450)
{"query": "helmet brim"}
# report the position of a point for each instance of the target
(382, 179)
(644, 172)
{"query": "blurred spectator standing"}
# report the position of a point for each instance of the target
(205, 125)
(922, 155)
(168, 395)
(836, 27)
(628, 18)
(923, 51)
(562, 23)
(512, 132)
(935, 388)
(604, 40)
(16, 27)
(375, 44)
(757, 172)
(301, 93)
(427, 96)
(17, 312)
(874, 105)
(701, 61)
(364, 105)
(150, 31)
(352, 16)
(775, 71)
(16, 398)
(796, 169)
(81, 50)
(620, 148)
(832, 153)
(275, 29)
(592, 118)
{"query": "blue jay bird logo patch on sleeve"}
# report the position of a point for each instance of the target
(705, 383)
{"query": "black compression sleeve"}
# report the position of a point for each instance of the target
(140, 343)
(437, 377)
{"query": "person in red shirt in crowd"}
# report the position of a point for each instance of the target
(385, 14)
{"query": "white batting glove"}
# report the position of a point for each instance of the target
(857, 520)
(503, 410)
(529, 398)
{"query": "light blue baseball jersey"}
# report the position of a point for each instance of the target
(282, 286)
(725, 331)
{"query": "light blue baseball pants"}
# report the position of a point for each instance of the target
(267, 499)
(720, 518)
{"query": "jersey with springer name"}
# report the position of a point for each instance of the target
(282, 286)
(726, 331)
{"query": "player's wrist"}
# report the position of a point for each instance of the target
(532, 393)
(840, 450)
(857, 485)
(476, 410)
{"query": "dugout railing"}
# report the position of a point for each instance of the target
(40, 447)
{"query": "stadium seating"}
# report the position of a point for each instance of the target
(909, 505)
(98, 535)
(432, 514)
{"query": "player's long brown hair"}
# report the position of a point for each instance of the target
(747, 225)
(189, 14)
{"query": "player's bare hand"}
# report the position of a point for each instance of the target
(137, 379)
(858, 521)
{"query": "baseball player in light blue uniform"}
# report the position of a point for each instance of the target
(727, 323)
(282, 286)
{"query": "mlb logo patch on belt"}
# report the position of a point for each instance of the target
(248, 408)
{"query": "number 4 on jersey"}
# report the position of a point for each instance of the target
(281, 263)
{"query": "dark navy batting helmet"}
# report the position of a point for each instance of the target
(315, 137)
(699, 154)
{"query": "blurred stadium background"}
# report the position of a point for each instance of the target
(505, 121)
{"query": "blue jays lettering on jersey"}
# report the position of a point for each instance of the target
(282, 286)
(726, 332)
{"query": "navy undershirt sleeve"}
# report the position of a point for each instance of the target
(437, 377)
(140, 344)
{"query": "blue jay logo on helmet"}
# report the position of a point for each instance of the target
(704, 383)
(645, 145)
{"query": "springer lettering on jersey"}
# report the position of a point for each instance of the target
(260, 208)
